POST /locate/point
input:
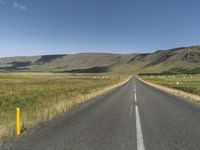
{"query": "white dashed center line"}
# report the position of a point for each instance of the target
(135, 97)
(140, 141)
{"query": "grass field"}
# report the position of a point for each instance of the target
(187, 83)
(43, 96)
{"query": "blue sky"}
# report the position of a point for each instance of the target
(35, 27)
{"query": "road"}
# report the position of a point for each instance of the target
(132, 117)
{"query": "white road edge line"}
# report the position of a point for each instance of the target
(140, 141)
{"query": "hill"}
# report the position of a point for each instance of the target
(178, 60)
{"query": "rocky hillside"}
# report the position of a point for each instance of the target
(159, 61)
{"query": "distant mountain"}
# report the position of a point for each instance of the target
(185, 58)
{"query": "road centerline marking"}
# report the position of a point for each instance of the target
(135, 97)
(134, 87)
(140, 141)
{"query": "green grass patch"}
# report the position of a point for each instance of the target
(187, 83)
(176, 71)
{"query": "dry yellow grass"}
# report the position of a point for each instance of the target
(64, 106)
(41, 97)
(186, 95)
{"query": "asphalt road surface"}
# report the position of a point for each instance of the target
(132, 117)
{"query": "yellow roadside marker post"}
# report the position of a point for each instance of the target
(17, 121)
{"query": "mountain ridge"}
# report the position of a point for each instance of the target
(158, 61)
